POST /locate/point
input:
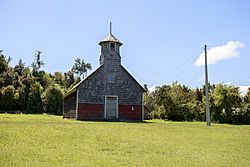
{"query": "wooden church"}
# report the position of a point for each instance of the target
(109, 93)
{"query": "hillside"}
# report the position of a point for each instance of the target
(44, 140)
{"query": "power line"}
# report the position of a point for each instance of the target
(178, 71)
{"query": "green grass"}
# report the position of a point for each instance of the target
(44, 140)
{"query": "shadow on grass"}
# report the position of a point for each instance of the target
(118, 121)
(213, 122)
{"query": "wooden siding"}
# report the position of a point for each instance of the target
(96, 112)
(127, 114)
(69, 105)
(90, 111)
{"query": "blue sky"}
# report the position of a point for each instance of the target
(162, 40)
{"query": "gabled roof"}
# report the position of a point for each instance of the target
(79, 83)
(110, 38)
(133, 78)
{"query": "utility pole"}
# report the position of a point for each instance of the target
(206, 89)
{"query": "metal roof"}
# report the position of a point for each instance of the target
(110, 38)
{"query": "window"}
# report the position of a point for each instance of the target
(111, 79)
(112, 46)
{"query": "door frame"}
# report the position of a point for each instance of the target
(117, 109)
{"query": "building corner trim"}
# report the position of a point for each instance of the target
(77, 92)
(142, 109)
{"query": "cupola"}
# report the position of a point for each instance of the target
(110, 49)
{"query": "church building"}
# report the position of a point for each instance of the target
(109, 93)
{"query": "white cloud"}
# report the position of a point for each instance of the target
(151, 89)
(243, 90)
(218, 53)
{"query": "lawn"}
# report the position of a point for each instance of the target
(44, 140)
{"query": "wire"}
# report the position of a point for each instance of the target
(178, 71)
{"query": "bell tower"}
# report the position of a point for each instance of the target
(110, 50)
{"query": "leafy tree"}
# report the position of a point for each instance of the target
(59, 79)
(35, 101)
(177, 102)
(21, 98)
(33, 91)
(20, 68)
(53, 99)
(149, 103)
(8, 98)
(247, 96)
(37, 91)
(38, 63)
(80, 68)
(3, 63)
(46, 81)
(164, 99)
(69, 78)
(225, 99)
(77, 80)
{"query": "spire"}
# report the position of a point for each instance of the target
(110, 28)
(110, 37)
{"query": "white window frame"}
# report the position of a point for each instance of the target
(117, 105)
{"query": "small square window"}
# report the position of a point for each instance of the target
(112, 46)
(111, 79)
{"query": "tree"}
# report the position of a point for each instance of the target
(8, 98)
(164, 99)
(20, 67)
(35, 101)
(69, 78)
(80, 68)
(53, 99)
(20, 96)
(38, 63)
(46, 81)
(3, 63)
(35, 91)
(225, 99)
(149, 103)
(247, 96)
(59, 79)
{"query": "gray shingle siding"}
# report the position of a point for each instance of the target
(96, 87)
(110, 79)
(70, 102)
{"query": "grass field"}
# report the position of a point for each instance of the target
(44, 140)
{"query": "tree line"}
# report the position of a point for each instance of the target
(178, 102)
(29, 89)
